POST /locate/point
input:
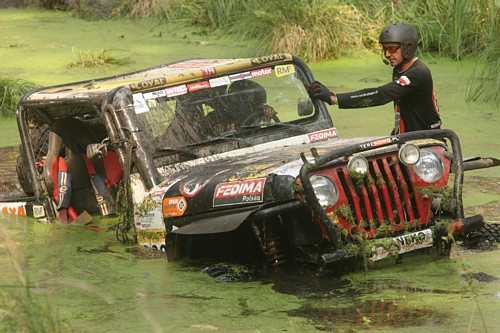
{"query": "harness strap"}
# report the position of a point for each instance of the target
(100, 185)
(62, 189)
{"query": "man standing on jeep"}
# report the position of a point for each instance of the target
(411, 88)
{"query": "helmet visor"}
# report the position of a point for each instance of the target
(391, 48)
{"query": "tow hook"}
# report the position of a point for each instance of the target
(460, 228)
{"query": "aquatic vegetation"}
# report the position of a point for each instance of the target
(358, 178)
(125, 230)
(96, 59)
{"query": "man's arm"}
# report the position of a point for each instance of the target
(376, 96)
(365, 97)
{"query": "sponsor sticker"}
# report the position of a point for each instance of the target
(193, 186)
(379, 142)
(219, 81)
(174, 206)
(208, 71)
(261, 72)
(176, 91)
(148, 84)
(140, 105)
(330, 133)
(283, 70)
(154, 94)
(407, 243)
(240, 76)
(16, 208)
(239, 192)
(403, 80)
(157, 195)
(151, 103)
(38, 211)
(269, 58)
(198, 86)
(289, 169)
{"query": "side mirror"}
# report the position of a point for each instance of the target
(305, 108)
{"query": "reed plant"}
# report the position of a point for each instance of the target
(111, 9)
(317, 31)
(484, 82)
(11, 92)
(148, 8)
(98, 9)
(49, 4)
(453, 28)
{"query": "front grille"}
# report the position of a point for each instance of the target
(384, 196)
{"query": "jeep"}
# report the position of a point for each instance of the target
(230, 157)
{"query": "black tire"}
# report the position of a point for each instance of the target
(23, 174)
(484, 238)
(39, 140)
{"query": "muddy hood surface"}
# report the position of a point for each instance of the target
(251, 176)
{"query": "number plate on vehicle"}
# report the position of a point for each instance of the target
(409, 242)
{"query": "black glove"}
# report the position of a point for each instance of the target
(318, 91)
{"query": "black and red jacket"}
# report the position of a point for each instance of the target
(412, 92)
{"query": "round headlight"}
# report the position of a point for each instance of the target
(430, 167)
(409, 154)
(326, 191)
(358, 164)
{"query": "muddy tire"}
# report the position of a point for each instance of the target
(485, 238)
(23, 174)
(39, 140)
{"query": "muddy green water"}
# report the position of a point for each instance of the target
(93, 283)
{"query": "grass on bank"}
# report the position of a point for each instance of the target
(11, 92)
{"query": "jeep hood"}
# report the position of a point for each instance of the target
(255, 175)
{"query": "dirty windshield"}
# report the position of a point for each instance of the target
(223, 107)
